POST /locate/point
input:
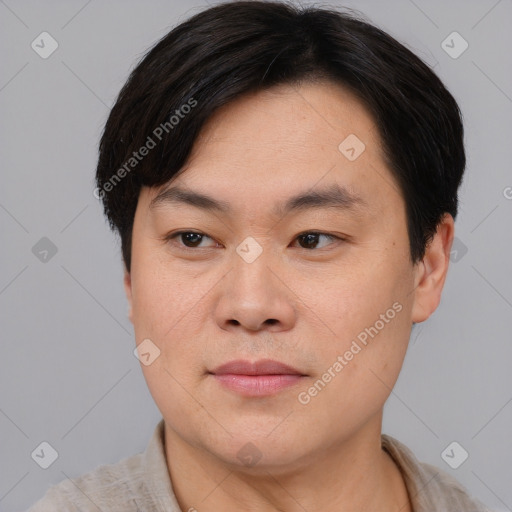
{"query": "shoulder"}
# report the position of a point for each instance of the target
(446, 491)
(430, 488)
(108, 488)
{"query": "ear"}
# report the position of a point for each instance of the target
(128, 291)
(430, 272)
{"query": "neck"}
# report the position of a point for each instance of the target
(354, 475)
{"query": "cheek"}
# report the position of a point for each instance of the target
(364, 371)
(169, 308)
(366, 319)
(158, 292)
(354, 298)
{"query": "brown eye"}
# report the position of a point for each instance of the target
(310, 240)
(194, 239)
(189, 239)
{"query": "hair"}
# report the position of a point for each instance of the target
(239, 47)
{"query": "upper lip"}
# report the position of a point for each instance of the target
(261, 367)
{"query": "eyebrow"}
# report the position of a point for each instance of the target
(333, 196)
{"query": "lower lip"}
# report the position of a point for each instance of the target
(257, 385)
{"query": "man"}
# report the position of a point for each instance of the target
(284, 182)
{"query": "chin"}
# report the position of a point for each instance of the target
(257, 452)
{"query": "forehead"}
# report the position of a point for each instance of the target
(288, 116)
(284, 140)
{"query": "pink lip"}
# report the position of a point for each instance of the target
(264, 377)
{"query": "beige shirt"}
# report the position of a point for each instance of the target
(141, 483)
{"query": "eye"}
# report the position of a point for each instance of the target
(193, 239)
(190, 239)
(310, 239)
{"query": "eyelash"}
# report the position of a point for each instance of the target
(171, 236)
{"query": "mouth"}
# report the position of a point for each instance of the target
(259, 378)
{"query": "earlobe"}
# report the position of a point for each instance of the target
(128, 291)
(431, 271)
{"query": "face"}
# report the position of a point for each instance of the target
(311, 299)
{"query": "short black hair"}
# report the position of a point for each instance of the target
(238, 47)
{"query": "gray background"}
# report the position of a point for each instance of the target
(68, 375)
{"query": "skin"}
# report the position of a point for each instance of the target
(299, 303)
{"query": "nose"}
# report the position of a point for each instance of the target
(255, 296)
